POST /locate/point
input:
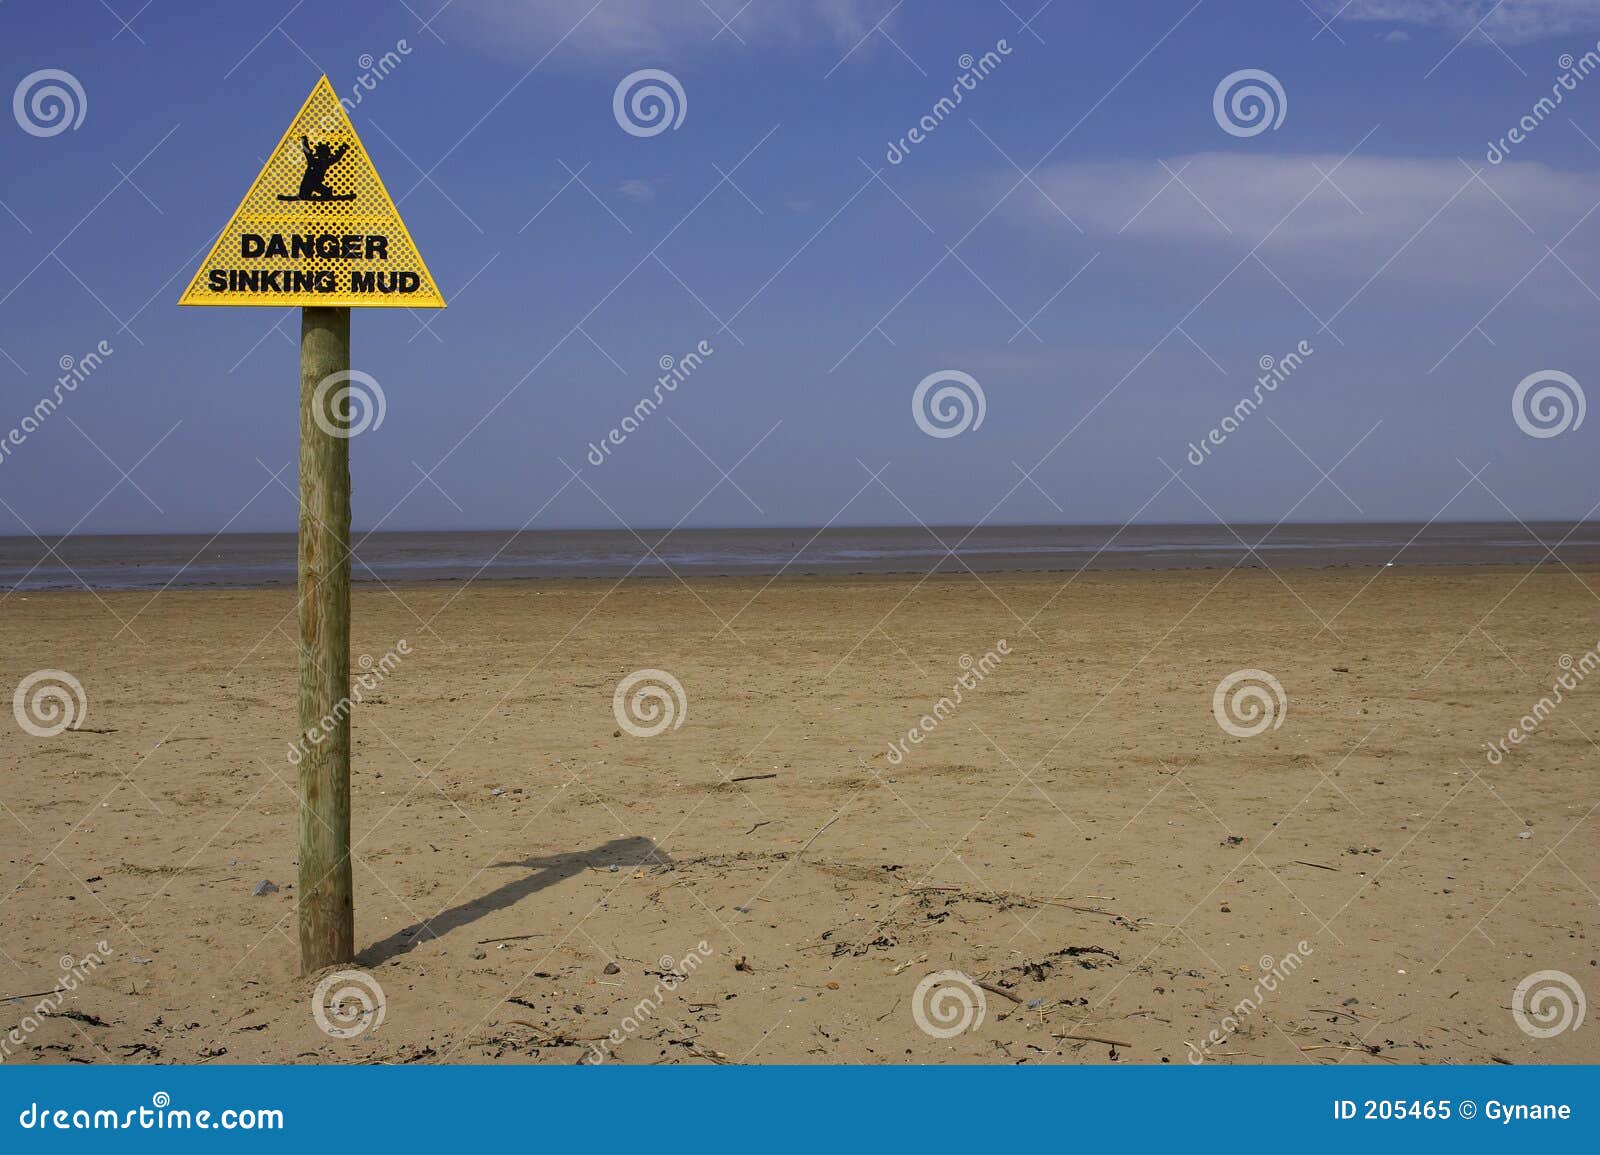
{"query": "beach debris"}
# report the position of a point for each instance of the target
(235, 862)
(1318, 865)
(478, 952)
(1525, 834)
(744, 965)
(265, 886)
(497, 791)
(612, 968)
(751, 777)
(1091, 1039)
(996, 989)
(143, 961)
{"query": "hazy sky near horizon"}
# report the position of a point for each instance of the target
(1082, 236)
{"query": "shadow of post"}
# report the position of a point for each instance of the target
(546, 872)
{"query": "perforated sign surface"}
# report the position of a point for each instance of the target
(316, 228)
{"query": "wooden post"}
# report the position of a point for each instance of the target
(327, 909)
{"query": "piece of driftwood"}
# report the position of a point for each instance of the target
(995, 989)
(1092, 1039)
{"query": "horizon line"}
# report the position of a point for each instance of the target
(830, 527)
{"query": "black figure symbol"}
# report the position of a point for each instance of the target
(314, 185)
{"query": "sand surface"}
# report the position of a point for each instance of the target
(1079, 833)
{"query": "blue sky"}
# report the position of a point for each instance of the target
(1080, 236)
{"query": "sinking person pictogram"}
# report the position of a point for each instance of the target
(314, 183)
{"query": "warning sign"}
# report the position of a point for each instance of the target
(316, 228)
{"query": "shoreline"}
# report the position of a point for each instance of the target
(763, 577)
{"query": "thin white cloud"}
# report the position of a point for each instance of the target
(638, 188)
(1463, 233)
(657, 29)
(1509, 21)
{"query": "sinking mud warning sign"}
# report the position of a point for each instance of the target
(316, 228)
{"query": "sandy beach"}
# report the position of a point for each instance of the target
(771, 877)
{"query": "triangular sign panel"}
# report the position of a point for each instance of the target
(316, 228)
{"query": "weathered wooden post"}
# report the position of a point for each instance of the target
(317, 229)
(327, 904)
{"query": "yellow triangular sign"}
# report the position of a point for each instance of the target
(316, 228)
